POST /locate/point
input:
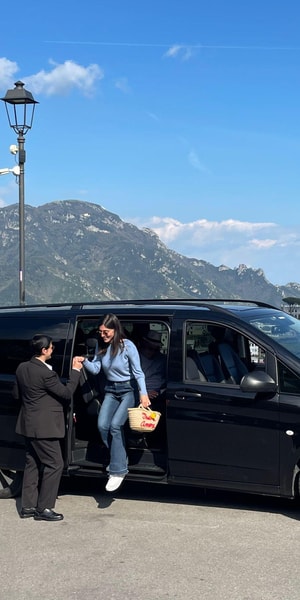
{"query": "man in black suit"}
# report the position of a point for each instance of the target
(41, 420)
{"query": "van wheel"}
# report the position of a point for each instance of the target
(10, 483)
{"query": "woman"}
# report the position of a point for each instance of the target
(121, 364)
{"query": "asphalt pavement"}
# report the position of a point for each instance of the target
(152, 542)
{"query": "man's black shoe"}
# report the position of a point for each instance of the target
(47, 515)
(25, 513)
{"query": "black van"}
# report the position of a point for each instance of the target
(230, 407)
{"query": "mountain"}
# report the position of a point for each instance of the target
(79, 252)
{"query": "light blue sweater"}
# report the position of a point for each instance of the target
(124, 366)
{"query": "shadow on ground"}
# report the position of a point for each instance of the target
(171, 494)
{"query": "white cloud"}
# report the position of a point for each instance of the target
(64, 77)
(8, 189)
(179, 51)
(58, 80)
(198, 233)
(196, 163)
(8, 68)
(187, 53)
(231, 242)
(260, 244)
(123, 85)
(172, 52)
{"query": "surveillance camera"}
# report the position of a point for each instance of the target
(15, 171)
(13, 149)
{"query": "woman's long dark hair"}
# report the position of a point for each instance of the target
(112, 322)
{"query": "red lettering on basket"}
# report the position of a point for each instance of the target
(147, 425)
(148, 416)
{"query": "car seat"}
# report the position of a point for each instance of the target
(222, 348)
(191, 370)
(231, 362)
(207, 365)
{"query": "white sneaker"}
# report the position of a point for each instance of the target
(114, 482)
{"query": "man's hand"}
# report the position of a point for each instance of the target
(77, 362)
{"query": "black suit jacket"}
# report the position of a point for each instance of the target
(43, 399)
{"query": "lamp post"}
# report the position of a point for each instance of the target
(20, 105)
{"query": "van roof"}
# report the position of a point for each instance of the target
(166, 305)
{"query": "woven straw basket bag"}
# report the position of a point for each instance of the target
(143, 419)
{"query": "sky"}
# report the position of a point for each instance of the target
(181, 116)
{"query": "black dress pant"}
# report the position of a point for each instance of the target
(43, 470)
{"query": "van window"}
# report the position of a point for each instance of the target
(289, 383)
(16, 335)
(134, 330)
(218, 354)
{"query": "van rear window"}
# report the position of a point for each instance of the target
(16, 334)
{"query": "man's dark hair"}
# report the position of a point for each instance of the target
(39, 342)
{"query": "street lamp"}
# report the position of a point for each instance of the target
(20, 105)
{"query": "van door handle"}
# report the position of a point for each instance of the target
(184, 395)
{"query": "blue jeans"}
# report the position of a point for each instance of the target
(119, 396)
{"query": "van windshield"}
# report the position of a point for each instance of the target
(281, 327)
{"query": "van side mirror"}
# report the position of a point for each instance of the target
(258, 382)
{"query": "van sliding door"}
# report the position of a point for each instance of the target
(17, 331)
